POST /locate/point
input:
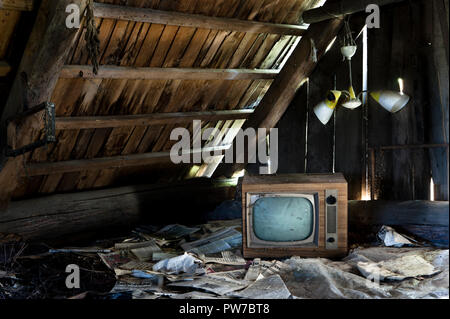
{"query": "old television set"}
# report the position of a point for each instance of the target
(294, 215)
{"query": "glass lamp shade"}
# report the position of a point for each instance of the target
(390, 100)
(354, 101)
(325, 109)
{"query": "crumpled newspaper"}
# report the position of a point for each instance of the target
(185, 263)
(320, 278)
(391, 238)
(409, 266)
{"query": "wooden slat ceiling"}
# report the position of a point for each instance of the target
(136, 44)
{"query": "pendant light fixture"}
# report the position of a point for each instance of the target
(390, 100)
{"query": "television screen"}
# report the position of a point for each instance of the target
(283, 219)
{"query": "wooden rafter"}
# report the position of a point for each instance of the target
(35, 169)
(102, 10)
(134, 73)
(19, 5)
(340, 8)
(97, 122)
(297, 68)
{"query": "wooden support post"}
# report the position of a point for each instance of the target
(44, 56)
(134, 73)
(103, 10)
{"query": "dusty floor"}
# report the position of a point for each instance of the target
(205, 261)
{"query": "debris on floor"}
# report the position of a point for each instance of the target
(205, 262)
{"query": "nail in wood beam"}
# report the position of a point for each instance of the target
(110, 11)
(123, 72)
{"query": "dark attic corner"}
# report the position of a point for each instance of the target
(231, 150)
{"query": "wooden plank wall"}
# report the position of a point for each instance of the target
(410, 45)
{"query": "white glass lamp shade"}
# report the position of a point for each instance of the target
(325, 109)
(390, 100)
(354, 101)
(349, 51)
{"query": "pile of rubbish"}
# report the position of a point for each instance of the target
(205, 262)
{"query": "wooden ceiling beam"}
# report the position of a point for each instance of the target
(141, 73)
(97, 122)
(19, 5)
(340, 8)
(110, 11)
(49, 168)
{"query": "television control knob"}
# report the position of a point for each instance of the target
(331, 240)
(331, 200)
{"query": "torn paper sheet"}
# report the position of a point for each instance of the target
(196, 295)
(217, 285)
(228, 258)
(411, 266)
(262, 269)
(146, 253)
(254, 270)
(391, 238)
(216, 242)
(176, 231)
(238, 274)
(181, 264)
(272, 287)
(114, 260)
(122, 286)
(140, 294)
(157, 256)
(132, 265)
(134, 245)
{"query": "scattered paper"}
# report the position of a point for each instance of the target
(272, 287)
(114, 260)
(195, 295)
(130, 245)
(391, 238)
(185, 263)
(218, 241)
(137, 265)
(228, 258)
(157, 256)
(410, 266)
(146, 253)
(176, 231)
(217, 285)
